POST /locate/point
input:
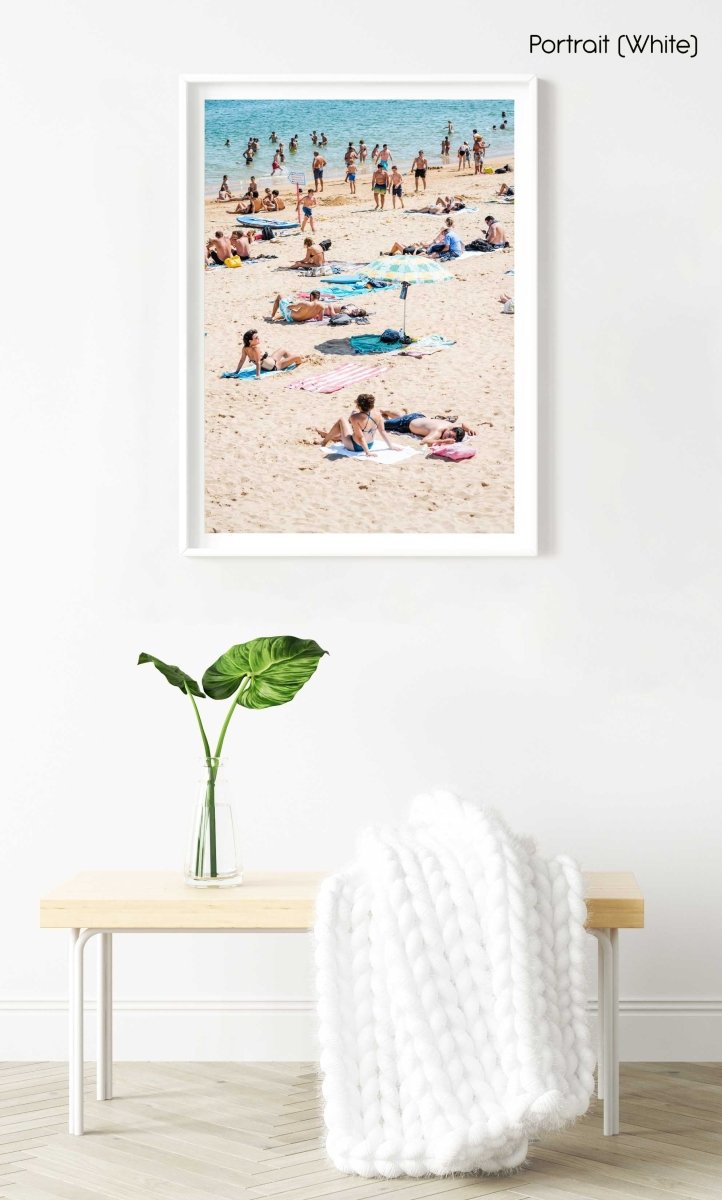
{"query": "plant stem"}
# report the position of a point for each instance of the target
(209, 810)
(199, 843)
(206, 745)
(244, 686)
(211, 806)
(212, 765)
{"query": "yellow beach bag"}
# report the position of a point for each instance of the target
(488, 170)
(232, 262)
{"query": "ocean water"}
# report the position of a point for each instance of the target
(405, 125)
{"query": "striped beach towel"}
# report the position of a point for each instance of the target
(343, 377)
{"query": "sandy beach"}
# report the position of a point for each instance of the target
(263, 471)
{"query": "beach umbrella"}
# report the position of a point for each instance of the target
(407, 269)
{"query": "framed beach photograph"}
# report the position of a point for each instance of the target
(358, 324)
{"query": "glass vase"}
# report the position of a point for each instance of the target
(213, 859)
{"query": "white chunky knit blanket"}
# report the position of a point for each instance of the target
(451, 979)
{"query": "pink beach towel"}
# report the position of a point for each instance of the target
(455, 453)
(342, 377)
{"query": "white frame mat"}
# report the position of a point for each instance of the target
(195, 90)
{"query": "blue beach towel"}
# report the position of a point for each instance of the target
(250, 373)
(341, 279)
(343, 292)
(257, 222)
(370, 343)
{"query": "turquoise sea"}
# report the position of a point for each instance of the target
(405, 125)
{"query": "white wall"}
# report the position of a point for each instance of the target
(581, 689)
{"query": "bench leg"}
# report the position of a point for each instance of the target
(608, 1063)
(614, 939)
(78, 938)
(74, 933)
(104, 1072)
(600, 1020)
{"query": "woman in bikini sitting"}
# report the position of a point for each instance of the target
(276, 360)
(357, 431)
(314, 256)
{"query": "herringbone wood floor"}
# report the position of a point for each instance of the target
(236, 1131)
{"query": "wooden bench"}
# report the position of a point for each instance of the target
(108, 902)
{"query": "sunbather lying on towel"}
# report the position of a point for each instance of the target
(265, 360)
(430, 430)
(443, 204)
(358, 431)
(410, 248)
(312, 309)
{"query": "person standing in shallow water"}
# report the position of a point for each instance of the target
(479, 149)
(319, 162)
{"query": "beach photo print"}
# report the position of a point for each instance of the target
(359, 313)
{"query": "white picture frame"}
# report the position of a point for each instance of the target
(194, 541)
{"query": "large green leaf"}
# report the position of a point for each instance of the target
(174, 675)
(274, 669)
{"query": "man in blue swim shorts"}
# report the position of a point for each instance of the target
(308, 203)
(319, 162)
(429, 430)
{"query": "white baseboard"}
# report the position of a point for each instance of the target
(284, 1030)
